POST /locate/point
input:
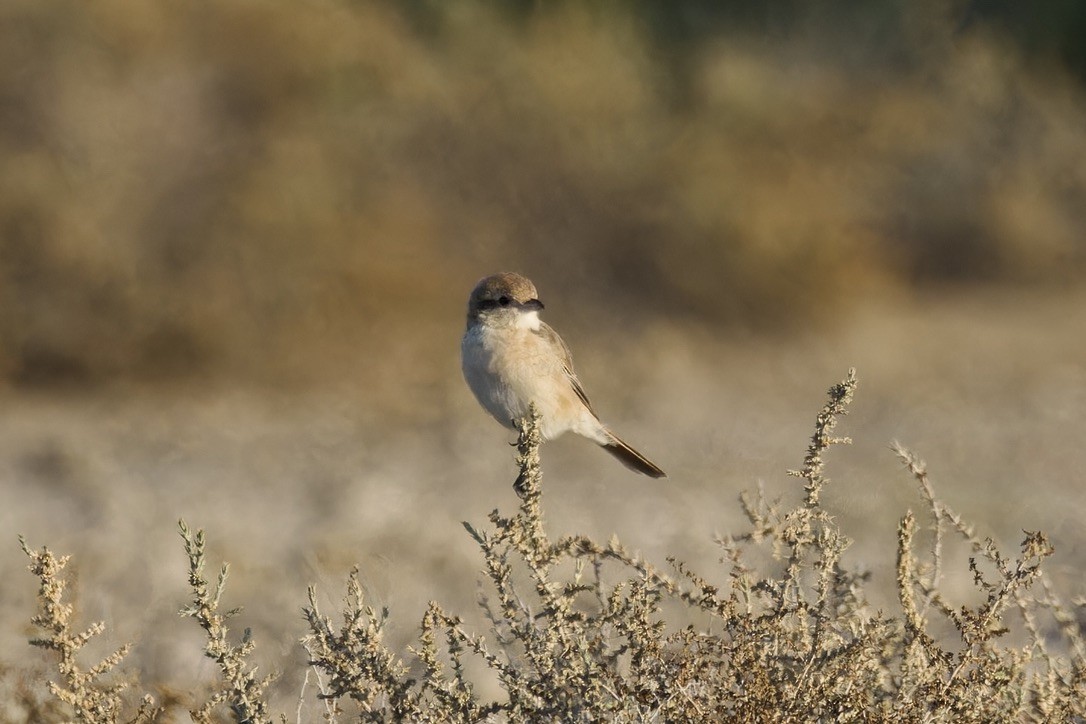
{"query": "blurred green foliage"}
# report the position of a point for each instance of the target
(266, 191)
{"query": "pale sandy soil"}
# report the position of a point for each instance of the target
(295, 487)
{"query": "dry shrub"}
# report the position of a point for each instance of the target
(239, 188)
(583, 631)
(89, 693)
(791, 639)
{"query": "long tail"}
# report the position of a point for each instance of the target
(631, 458)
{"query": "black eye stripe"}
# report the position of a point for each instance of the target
(507, 301)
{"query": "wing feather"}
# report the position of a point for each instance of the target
(556, 342)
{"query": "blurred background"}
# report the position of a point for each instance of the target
(236, 242)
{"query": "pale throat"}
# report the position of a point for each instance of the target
(529, 320)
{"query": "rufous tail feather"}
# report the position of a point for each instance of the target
(631, 458)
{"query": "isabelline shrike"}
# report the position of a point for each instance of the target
(511, 358)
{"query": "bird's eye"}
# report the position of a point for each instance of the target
(504, 301)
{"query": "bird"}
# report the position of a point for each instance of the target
(512, 359)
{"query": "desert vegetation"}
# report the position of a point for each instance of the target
(582, 630)
(231, 189)
(236, 240)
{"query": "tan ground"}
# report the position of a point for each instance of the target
(295, 487)
(236, 243)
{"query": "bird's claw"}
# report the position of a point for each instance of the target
(520, 485)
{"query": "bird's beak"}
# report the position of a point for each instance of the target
(533, 305)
